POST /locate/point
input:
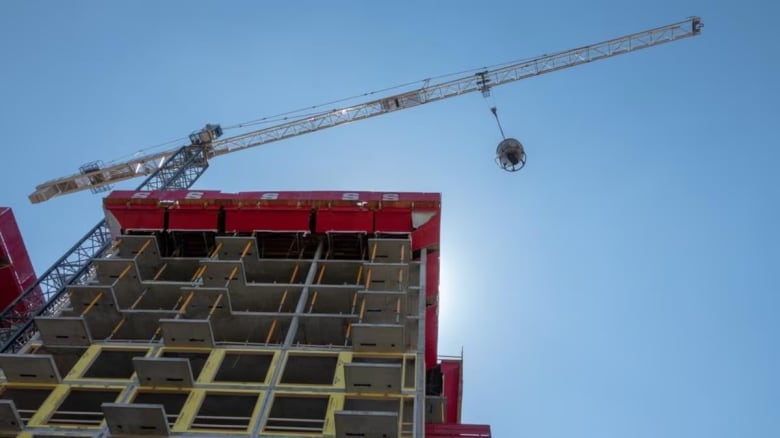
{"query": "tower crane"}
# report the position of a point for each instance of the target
(180, 167)
(205, 144)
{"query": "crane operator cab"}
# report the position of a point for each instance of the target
(208, 134)
(510, 155)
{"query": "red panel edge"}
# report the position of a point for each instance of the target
(434, 430)
(427, 234)
(432, 276)
(452, 370)
(431, 335)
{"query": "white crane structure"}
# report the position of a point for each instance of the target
(180, 167)
(94, 177)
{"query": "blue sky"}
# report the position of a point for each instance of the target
(625, 283)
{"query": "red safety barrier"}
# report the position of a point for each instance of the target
(366, 212)
(344, 219)
(192, 210)
(278, 219)
(393, 220)
(138, 217)
(193, 218)
(136, 210)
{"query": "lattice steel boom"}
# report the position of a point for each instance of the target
(482, 81)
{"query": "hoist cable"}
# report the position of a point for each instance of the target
(495, 113)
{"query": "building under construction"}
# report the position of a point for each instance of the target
(265, 314)
(274, 314)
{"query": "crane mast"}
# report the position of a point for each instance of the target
(482, 81)
(179, 168)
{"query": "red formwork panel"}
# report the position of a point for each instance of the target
(145, 210)
(193, 218)
(434, 430)
(123, 196)
(335, 211)
(279, 219)
(344, 219)
(431, 335)
(427, 234)
(17, 270)
(393, 220)
(138, 217)
(452, 370)
(136, 210)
